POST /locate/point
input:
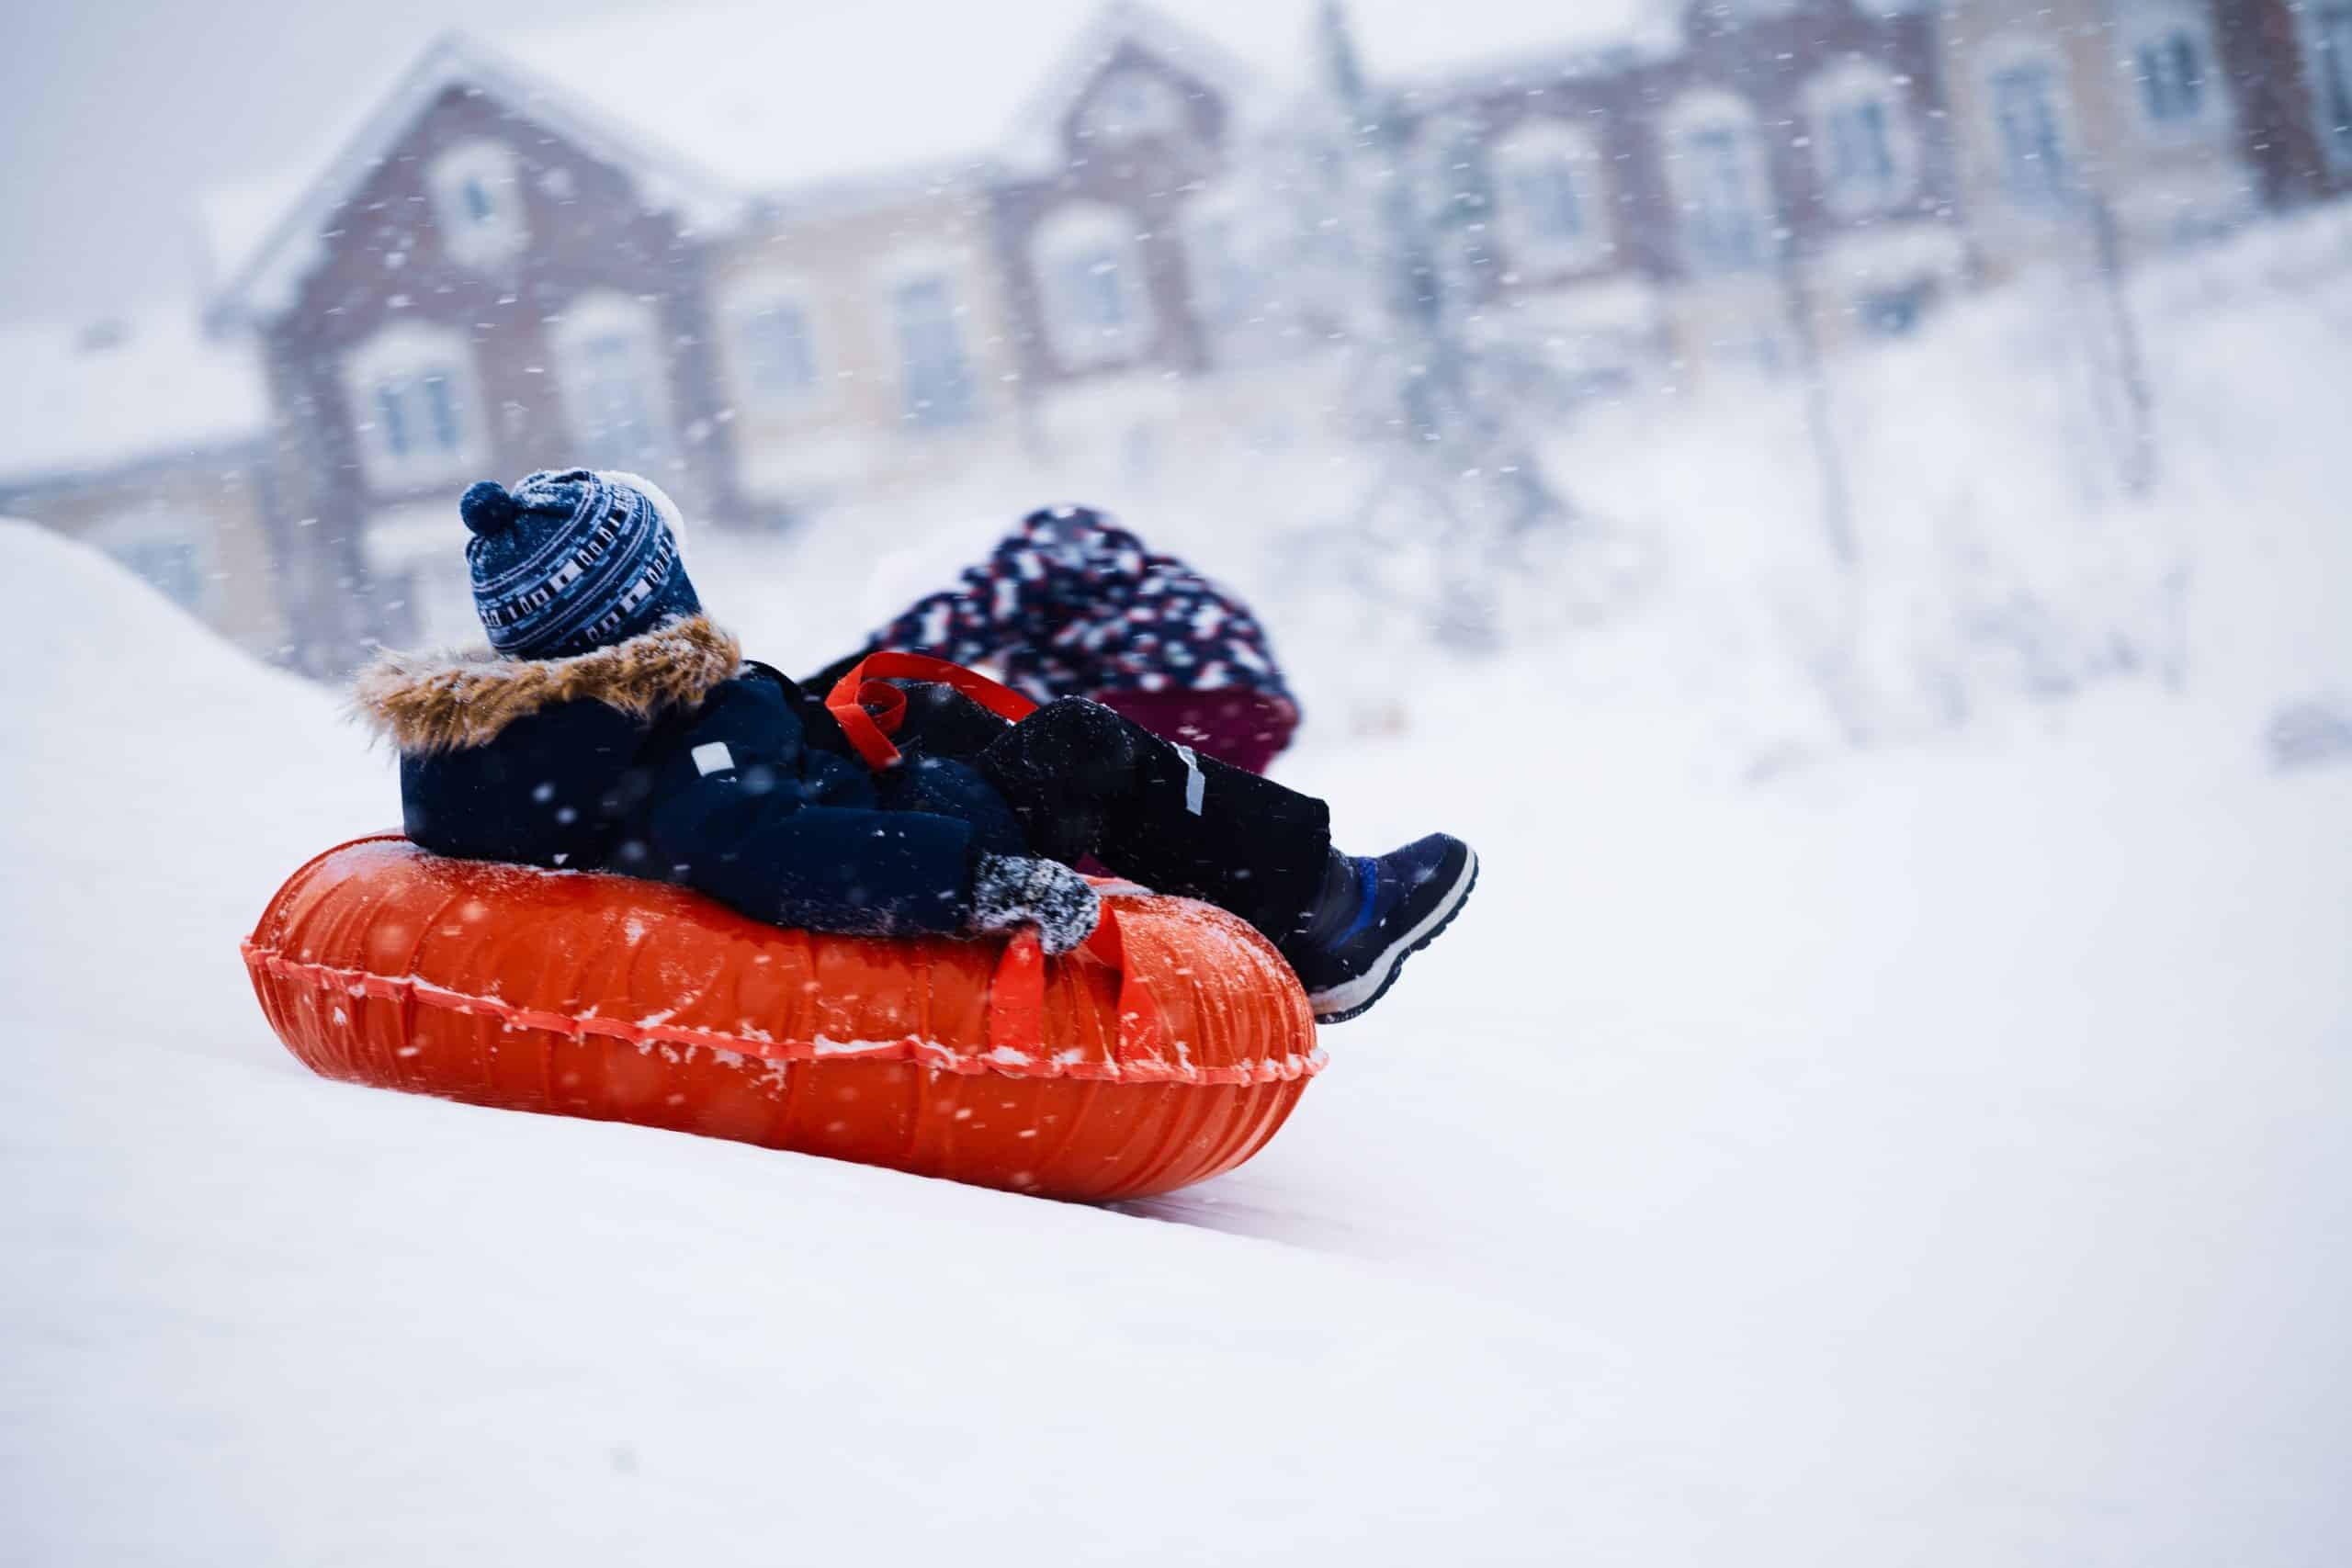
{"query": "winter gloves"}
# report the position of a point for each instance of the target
(1011, 891)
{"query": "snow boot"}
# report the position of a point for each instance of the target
(1377, 911)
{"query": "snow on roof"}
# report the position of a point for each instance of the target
(739, 100)
(144, 386)
(1404, 42)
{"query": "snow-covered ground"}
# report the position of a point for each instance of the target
(1930, 1152)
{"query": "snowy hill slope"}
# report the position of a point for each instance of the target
(252, 1317)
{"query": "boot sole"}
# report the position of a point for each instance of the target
(1351, 1000)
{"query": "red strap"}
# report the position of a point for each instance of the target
(1017, 997)
(869, 682)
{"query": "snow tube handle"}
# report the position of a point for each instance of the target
(870, 710)
(1017, 994)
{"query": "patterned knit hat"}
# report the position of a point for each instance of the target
(567, 562)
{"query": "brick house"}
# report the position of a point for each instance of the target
(1645, 198)
(2291, 62)
(497, 271)
(2059, 106)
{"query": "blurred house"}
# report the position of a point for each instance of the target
(776, 263)
(144, 438)
(2070, 112)
(2291, 64)
(1684, 186)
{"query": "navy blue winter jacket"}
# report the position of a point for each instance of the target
(665, 757)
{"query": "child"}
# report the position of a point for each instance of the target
(611, 726)
(1074, 606)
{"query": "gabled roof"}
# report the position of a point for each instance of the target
(713, 106)
(1031, 141)
(265, 236)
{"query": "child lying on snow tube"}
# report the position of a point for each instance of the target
(1071, 606)
(610, 726)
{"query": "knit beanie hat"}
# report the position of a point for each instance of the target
(567, 562)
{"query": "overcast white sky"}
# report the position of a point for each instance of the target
(116, 109)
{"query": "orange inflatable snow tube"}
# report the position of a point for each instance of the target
(1169, 1048)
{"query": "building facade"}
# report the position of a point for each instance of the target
(497, 273)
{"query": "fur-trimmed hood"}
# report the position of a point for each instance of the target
(428, 703)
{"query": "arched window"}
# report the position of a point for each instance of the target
(1715, 165)
(1865, 152)
(1129, 104)
(614, 380)
(1552, 195)
(2031, 114)
(413, 407)
(1090, 285)
(477, 203)
(772, 346)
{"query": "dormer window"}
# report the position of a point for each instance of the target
(1128, 105)
(477, 193)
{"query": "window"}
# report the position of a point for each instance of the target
(1129, 104)
(2027, 99)
(477, 203)
(1090, 285)
(614, 381)
(2330, 58)
(934, 376)
(1863, 150)
(1720, 184)
(1226, 287)
(163, 548)
(772, 344)
(2172, 76)
(413, 406)
(1547, 183)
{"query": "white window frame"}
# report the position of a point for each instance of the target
(1700, 112)
(398, 357)
(2016, 52)
(1154, 107)
(1081, 229)
(1549, 145)
(2152, 27)
(2327, 71)
(472, 240)
(752, 301)
(933, 267)
(597, 314)
(1842, 88)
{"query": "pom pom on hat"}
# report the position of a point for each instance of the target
(488, 510)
